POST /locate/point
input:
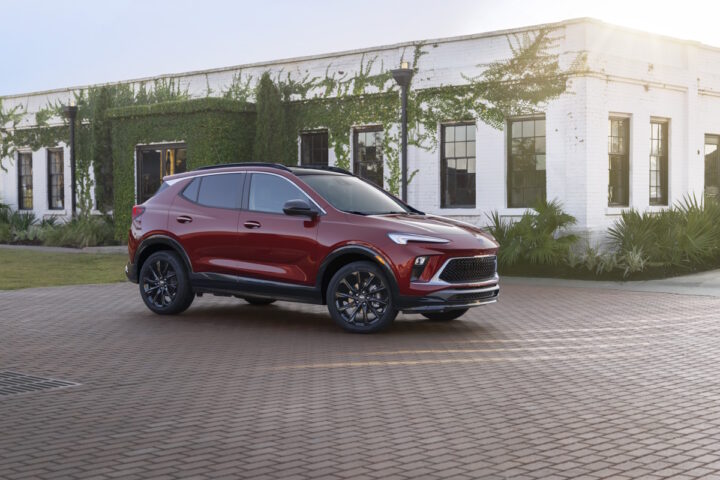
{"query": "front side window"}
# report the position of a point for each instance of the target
(658, 162)
(457, 165)
(712, 166)
(25, 181)
(314, 148)
(352, 195)
(156, 161)
(619, 162)
(56, 183)
(526, 162)
(269, 193)
(368, 156)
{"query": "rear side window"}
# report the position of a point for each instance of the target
(268, 193)
(218, 191)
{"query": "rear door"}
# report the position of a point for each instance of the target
(204, 216)
(273, 245)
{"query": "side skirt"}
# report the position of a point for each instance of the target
(225, 284)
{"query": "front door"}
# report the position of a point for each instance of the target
(156, 161)
(276, 246)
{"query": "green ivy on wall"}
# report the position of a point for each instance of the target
(216, 130)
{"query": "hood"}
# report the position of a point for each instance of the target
(432, 225)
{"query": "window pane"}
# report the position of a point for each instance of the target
(539, 128)
(458, 166)
(220, 191)
(368, 159)
(470, 135)
(526, 163)
(460, 149)
(528, 129)
(191, 191)
(269, 193)
(449, 133)
(460, 133)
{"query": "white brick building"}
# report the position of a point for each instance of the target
(648, 102)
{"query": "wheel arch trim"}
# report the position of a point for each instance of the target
(166, 241)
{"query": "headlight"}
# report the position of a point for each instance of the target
(405, 238)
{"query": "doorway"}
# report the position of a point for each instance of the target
(155, 162)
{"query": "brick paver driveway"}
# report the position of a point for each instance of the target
(549, 383)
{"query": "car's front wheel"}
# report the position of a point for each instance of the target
(359, 298)
(164, 284)
(445, 316)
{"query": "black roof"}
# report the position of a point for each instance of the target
(301, 170)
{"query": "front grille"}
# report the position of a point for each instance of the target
(472, 297)
(469, 270)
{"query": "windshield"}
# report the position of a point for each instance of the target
(352, 195)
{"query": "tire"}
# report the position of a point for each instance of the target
(445, 316)
(360, 299)
(259, 301)
(164, 284)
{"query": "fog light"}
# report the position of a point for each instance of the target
(418, 268)
(420, 261)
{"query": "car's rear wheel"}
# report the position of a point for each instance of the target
(359, 298)
(445, 316)
(259, 301)
(164, 284)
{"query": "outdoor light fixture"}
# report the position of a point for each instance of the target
(403, 76)
(71, 114)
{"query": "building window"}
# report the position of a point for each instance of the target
(526, 162)
(25, 181)
(658, 162)
(619, 162)
(153, 163)
(314, 148)
(712, 166)
(368, 154)
(457, 165)
(56, 183)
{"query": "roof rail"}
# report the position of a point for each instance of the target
(245, 164)
(320, 166)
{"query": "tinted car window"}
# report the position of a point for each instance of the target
(268, 193)
(221, 191)
(191, 190)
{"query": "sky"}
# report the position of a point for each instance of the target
(47, 44)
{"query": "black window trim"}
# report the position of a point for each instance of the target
(49, 178)
(360, 129)
(238, 201)
(20, 198)
(508, 155)
(151, 146)
(665, 188)
(716, 136)
(245, 205)
(442, 157)
(628, 118)
(315, 131)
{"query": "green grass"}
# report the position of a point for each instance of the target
(27, 269)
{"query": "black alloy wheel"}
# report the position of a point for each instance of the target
(164, 284)
(359, 298)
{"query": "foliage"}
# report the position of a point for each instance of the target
(270, 119)
(537, 238)
(216, 130)
(9, 120)
(81, 232)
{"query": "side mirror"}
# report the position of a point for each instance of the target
(299, 208)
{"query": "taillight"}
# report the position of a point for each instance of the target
(137, 211)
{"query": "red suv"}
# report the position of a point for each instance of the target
(266, 232)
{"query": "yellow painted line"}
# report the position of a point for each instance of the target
(445, 361)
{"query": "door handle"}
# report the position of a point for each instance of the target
(184, 219)
(252, 224)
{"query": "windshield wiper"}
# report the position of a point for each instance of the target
(356, 212)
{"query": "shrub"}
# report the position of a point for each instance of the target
(536, 238)
(86, 231)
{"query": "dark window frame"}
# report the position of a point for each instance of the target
(59, 192)
(510, 160)
(662, 159)
(619, 175)
(248, 192)
(444, 162)
(22, 205)
(163, 147)
(356, 152)
(239, 193)
(321, 136)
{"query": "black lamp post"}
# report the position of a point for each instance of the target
(403, 76)
(71, 114)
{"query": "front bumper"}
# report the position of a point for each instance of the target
(131, 272)
(451, 299)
